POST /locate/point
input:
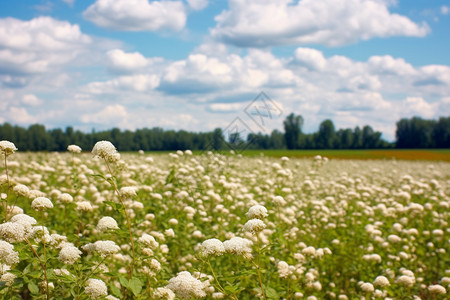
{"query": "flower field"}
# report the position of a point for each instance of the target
(103, 225)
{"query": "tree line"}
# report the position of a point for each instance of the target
(411, 133)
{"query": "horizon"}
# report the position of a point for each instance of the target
(197, 65)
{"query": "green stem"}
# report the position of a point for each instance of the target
(258, 267)
(7, 189)
(40, 262)
(126, 215)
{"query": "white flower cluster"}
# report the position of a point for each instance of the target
(41, 203)
(239, 246)
(69, 254)
(7, 254)
(106, 150)
(255, 224)
(7, 148)
(212, 247)
(96, 288)
(104, 248)
(257, 212)
(65, 198)
(164, 293)
(381, 281)
(185, 286)
(149, 241)
(74, 148)
(21, 190)
(107, 223)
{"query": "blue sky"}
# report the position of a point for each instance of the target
(197, 64)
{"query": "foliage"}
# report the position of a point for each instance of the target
(331, 227)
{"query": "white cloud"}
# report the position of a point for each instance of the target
(390, 66)
(38, 45)
(198, 4)
(69, 2)
(225, 107)
(137, 83)
(263, 23)
(445, 10)
(310, 58)
(111, 114)
(21, 116)
(126, 62)
(137, 15)
(31, 100)
(417, 106)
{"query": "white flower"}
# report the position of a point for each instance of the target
(65, 198)
(84, 206)
(12, 232)
(21, 190)
(104, 149)
(367, 287)
(107, 223)
(406, 280)
(74, 148)
(437, 289)
(149, 241)
(164, 293)
(212, 247)
(7, 148)
(24, 220)
(96, 288)
(254, 226)
(239, 246)
(185, 286)
(69, 255)
(105, 248)
(381, 281)
(41, 203)
(257, 212)
(8, 278)
(283, 269)
(7, 254)
(128, 191)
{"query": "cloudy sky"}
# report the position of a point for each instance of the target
(199, 64)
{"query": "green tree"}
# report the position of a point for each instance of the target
(292, 130)
(441, 133)
(326, 135)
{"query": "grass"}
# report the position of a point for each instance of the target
(399, 154)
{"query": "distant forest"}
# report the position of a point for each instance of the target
(410, 133)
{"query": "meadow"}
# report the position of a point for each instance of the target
(106, 225)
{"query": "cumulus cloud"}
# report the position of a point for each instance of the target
(38, 45)
(198, 4)
(136, 83)
(417, 106)
(137, 15)
(31, 100)
(377, 91)
(225, 107)
(21, 115)
(111, 114)
(125, 62)
(265, 23)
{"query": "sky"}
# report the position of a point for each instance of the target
(240, 65)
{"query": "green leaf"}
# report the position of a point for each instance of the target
(114, 205)
(33, 288)
(271, 293)
(136, 286)
(123, 281)
(116, 291)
